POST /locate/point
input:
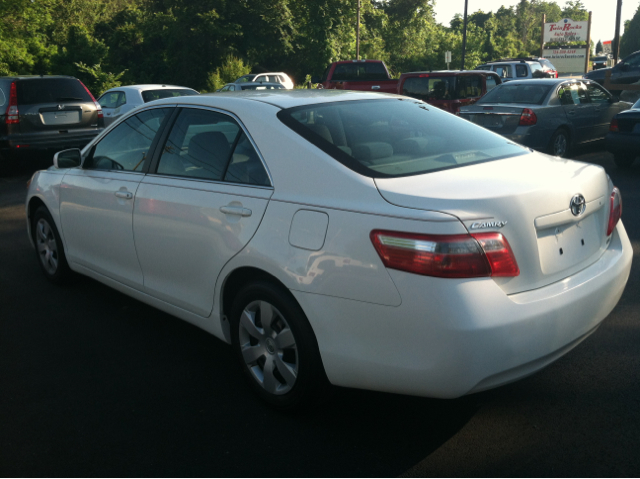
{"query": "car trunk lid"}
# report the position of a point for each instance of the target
(501, 119)
(527, 199)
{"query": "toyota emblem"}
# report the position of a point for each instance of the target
(577, 205)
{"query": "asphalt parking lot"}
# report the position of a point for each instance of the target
(93, 383)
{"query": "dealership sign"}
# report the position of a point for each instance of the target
(566, 30)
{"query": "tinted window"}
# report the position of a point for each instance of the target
(597, 94)
(51, 90)
(509, 93)
(245, 79)
(3, 99)
(258, 86)
(392, 138)
(491, 83)
(112, 99)
(429, 88)
(521, 71)
(359, 71)
(126, 146)
(151, 95)
(468, 86)
(209, 145)
(564, 95)
(503, 71)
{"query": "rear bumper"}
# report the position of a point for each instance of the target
(533, 137)
(48, 140)
(623, 143)
(454, 337)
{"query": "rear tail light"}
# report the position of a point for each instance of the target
(615, 210)
(528, 117)
(446, 256)
(614, 125)
(12, 116)
(98, 107)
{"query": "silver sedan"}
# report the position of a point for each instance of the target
(550, 115)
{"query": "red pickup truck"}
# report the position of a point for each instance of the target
(361, 75)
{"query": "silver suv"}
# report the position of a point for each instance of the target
(515, 69)
(45, 113)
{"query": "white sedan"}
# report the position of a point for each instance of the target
(355, 239)
(118, 101)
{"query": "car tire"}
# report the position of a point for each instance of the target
(624, 161)
(276, 347)
(49, 247)
(560, 144)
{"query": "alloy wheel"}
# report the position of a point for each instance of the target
(560, 145)
(47, 246)
(268, 347)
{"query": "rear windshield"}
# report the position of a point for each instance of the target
(51, 90)
(547, 64)
(430, 87)
(392, 138)
(262, 87)
(359, 71)
(151, 95)
(510, 93)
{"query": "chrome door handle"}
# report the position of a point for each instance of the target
(375, 87)
(124, 194)
(235, 210)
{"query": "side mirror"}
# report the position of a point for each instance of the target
(67, 158)
(315, 79)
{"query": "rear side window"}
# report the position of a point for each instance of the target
(51, 90)
(508, 93)
(112, 99)
(392, 138)
(468, 86)
(521, 71)
(359, 71)
(491, 82)
(3, 98)
(429, 88)
(151, 95)
(211, 146)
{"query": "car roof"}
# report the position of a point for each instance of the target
(451, 72)
(35, 77)
(545, 81)
(149, 86)
(279, 98)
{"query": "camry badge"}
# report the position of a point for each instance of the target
(488, 224)
(577, 205)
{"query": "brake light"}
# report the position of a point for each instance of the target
(12, 116)
(528, 117)
(614, 126)
(98, 107)
(446, 256)
(615, 210)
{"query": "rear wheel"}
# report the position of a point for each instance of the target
(624, 161)
(49, 247)
(560, 144)
(276, 347)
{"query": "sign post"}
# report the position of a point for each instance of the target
(447, 58)
(586, 60)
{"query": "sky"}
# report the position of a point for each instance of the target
(602, 23)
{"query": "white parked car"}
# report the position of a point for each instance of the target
(277, 77)
(118, 101)
(348, 238)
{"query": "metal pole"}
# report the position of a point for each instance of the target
(586, 59)
(358, 34)
(464, 33)
(616, 39)
(544, 20)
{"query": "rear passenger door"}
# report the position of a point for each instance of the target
(580, 112)
(200, 204)
(604, 108)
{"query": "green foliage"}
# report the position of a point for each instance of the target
(96, 80)
(199, 43)
(630, 41)
(232, 69)
(599, 47)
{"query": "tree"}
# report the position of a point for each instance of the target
(575, 10)
(599, 47)
(630, 41)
